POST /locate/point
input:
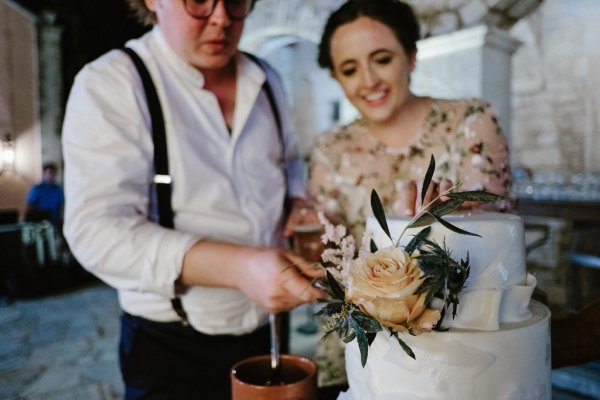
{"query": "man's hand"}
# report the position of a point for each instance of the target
(279, 280)
(274, 278)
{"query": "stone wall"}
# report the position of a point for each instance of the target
(474, 62)
(19, 101)
(555, 112)
(443, 16)
(556, 105)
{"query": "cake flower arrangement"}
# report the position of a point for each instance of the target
(399, 289)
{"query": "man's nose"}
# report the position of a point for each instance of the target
(220, 15)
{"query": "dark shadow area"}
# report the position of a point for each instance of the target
(91, 28)
(24, 275)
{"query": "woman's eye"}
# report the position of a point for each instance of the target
(383, 60)
(348, 71)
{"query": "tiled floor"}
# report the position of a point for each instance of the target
(63, 347)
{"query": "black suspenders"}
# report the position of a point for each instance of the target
(162, 180)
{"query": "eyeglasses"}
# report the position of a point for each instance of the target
(202, 9)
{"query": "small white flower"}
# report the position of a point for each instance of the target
(366, 239)
(332, 233)
(476, 160)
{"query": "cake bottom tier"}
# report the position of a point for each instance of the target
(512, 363)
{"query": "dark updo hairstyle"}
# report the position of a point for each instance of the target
(395, 14)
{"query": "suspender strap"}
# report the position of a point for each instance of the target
(162, 180)
(272, 102)
(287, 206)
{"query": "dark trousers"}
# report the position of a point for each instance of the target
(168, 361)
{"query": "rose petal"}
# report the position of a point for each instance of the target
(426, 321)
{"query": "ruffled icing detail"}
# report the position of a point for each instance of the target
(486, 309)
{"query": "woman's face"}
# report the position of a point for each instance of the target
(207, 44)
(372, 68)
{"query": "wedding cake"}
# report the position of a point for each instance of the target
(497, 346)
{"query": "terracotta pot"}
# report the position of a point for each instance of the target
(298, 373)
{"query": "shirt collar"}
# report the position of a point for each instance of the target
(173, 59)
(246, 67)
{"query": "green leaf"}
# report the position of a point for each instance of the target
(324, 285)
(444, 277)
(476, 195)
(369, 324)
(379, 213)
(336, 289)
(348, 337)
(417, 240)
(405, 347)
(454, 228)
(363, 342)
(441, 209)
(371, 337)
(332, 307)
(373, 247)
(427, 179)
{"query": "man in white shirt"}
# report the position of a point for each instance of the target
(224, 258)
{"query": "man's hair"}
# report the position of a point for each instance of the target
(51, 165)
(146, 16)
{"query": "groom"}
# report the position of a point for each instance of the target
(224, 258)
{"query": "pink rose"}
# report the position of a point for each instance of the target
(383, 285)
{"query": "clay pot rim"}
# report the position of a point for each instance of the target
(305, 360)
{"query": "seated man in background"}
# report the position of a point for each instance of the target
(46, 199)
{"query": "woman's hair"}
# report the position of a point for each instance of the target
(146, 16)
(395, 14)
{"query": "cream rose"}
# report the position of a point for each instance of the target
(383, 285)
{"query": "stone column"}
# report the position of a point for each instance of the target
(474, 62)
(51, 87)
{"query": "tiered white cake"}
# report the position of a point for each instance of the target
(497, 347)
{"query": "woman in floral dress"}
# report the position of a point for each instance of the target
(369, 46)
(350, 161)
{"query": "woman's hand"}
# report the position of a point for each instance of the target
(409, 196)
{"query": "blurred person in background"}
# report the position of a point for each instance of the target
(45, 200)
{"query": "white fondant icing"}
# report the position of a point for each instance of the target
(498, 346)
(511, 363)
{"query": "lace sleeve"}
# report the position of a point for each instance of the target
(486, 162)
(321, 184)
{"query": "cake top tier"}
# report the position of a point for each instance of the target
(498, 288)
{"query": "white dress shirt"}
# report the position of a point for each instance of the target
(226, 186)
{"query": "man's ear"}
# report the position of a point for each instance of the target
(151, 4)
